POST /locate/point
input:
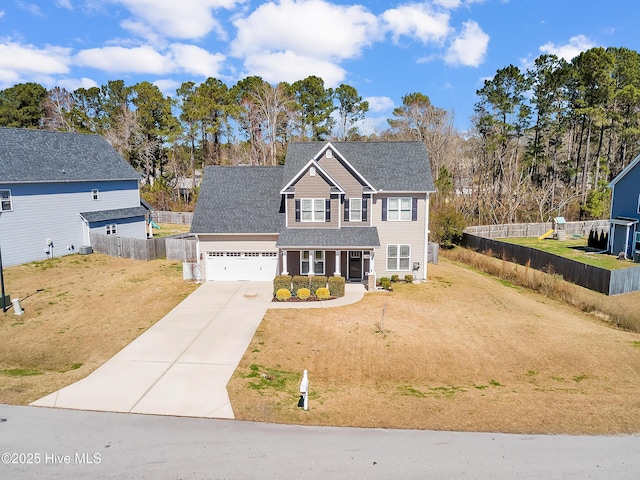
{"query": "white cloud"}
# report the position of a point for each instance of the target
(310, 28)
(468, 48)
(380, 104)
(26, 60)
(64, 4)
(417, 21)
(575, 46)
(72, 84)
(290, 67)
(449, 4)
(32, 8)
(142, 59)
(167, 86)
(195, 60)
(1, 13)
(175, 19)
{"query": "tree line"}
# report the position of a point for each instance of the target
(545, 140)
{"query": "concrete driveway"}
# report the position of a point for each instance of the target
(182, 364)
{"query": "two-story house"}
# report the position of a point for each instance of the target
(355, 209)
(624, 236)
(57, 187)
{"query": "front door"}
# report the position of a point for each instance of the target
(355, 265)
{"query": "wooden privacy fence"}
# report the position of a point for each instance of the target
(178, 247)
(536, 229)
(180, 218)
(609, 282)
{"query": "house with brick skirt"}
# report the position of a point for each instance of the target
(624, 215)
(354, 209)
(56, 188)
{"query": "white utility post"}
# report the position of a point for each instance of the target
(304, 390)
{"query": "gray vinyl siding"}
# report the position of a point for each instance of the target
(340, 174)
(51, 211)
(399, 233)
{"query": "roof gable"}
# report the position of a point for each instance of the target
(38, 156)
(625, 171)
(386, 166)
(335, 186)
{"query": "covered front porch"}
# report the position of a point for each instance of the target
(348, 252)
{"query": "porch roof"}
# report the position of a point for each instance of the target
(114, 214)
(345, 237)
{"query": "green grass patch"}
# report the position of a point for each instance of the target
(575, 249)
(635, 344)
(495, 383)
(265, 378)
(20, 372)
(579, 378)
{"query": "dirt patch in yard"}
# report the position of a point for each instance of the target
(464, 351)
(79, 312)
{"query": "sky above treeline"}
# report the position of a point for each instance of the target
(444, 49)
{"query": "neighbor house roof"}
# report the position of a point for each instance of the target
(345, 237)
(39, 156)
(240, 199)
(114, 214)
(388, 166)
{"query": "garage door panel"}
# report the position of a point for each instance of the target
(231, 266)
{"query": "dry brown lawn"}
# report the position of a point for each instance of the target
(461, 352)
(88, 309)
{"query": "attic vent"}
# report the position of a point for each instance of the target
(329, 154)
(312, 171)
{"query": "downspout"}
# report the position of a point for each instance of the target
(426, 234)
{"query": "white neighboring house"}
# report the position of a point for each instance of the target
(354, 209)
(57, 187)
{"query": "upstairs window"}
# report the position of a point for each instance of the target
(312, 209)
(355, 210)
(111, 229)
(399, 209)
(5, 201)
(95, 194)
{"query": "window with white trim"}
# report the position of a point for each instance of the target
(5, 201)
(355, 209)
(398, 258)
(306, 260)
(312, 209)
(399, 209)
(111, 229)
(95, 194)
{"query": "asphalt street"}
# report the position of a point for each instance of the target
(47, 443)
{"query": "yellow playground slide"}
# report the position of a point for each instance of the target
(545, 235)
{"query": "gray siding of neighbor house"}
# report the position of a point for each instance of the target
(51, 211)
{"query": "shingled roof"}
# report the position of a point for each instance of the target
(388, 166)
(240, 199)
(39, 156)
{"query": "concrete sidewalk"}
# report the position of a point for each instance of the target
(182, 364)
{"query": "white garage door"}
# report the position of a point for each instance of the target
(242, 265)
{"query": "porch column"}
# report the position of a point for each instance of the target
(372, 258)
(336, 272)
(284, 263)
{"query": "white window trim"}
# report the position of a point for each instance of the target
(316, 215)
(400, 209)
(4, 200)
(111, 229)
(312, 262)
(353, 218)
(399, 257)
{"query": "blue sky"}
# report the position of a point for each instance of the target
(442, 48)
